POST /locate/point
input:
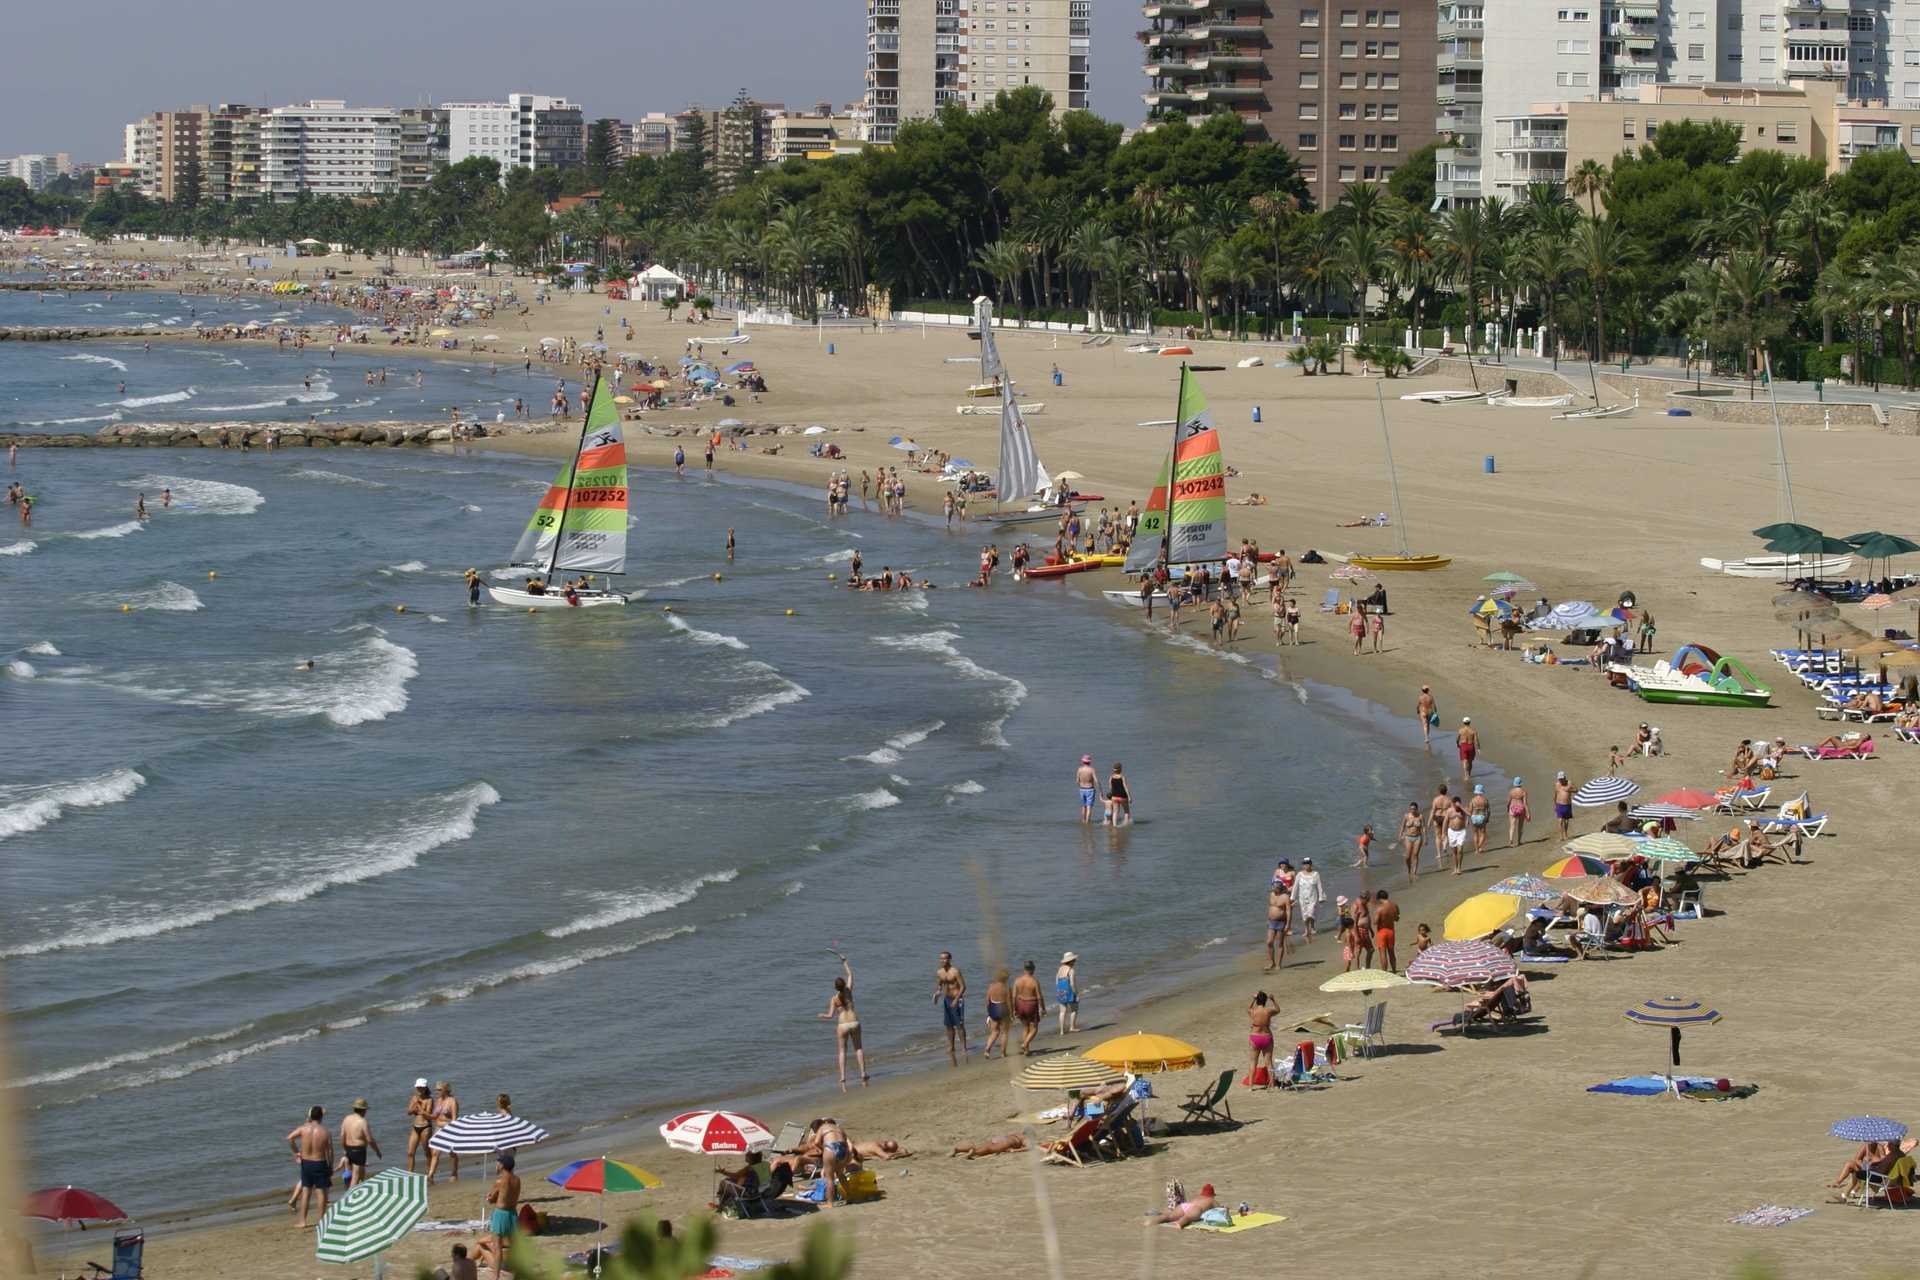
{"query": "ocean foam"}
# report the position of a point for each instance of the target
(141, 402)
(28, 808)
(698, 636)
(203, 497)
(18, 548)
(21, 669)
(878, 798)
(532, 970)
(889, 751)
(120, 530)
(167, 597)
(42, 649)
(1010, 694)
(967, 788)
(746, 708)
(62, 1074)
(335, 477)
(619, 908)
(180, 1071)
(115, 416)
(92, 359)
(407, 566)
(446, 820)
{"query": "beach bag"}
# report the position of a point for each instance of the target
(1176, 1196)
(1217, 1218)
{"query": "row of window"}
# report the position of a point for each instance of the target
(1310, 174)
(1388, 18)
(1352, 142)
(1783, 130)
(1388, 111)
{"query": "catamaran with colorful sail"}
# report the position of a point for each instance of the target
(580, 525)
(1185, 521)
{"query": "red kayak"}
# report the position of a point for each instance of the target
(1060, 570)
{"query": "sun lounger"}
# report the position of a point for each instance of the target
(1810, 827)
(1731, 798)
(1905, 734)
(1067, 1150)
(757, 1201)
(1862, 750)
(1210, 1104)
(790, 1135)
(1332, 600)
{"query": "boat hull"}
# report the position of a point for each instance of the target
(1400, 564)
(1703, 697)
(1780, 568)
(519, 599)
(1048, 515)
(1060, 570)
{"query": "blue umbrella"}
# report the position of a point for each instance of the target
(1524, 886)
(1601, 791)
(1868, 1129)
(1673, 812)
(1673, 1013)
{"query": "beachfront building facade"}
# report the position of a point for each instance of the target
(327, 148)
(36, 170)
(161, 143)
(1350, 91)
(1498, 58)
(651, 135)
(233, 167)
(424, 145)
(527, 131)
(923, 55)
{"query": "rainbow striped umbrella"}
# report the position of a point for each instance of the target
(602, 1175)
(1576, 867)
(1461, 964)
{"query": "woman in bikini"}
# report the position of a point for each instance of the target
(446, 1109)
(1260, 1034)
(420, 1116)
(847, 1023)
(1517, 814)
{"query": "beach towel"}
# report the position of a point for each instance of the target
(1769, 1215)
(449, 1224)
(1244, 1222)
(1704, 1088)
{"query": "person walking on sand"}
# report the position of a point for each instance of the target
(312, 1148)
(1260, 1033)
(846, 1022)
(356, 1135)
(1365, 841)
(1468, 742)
(1029, 1005)
(1413, 835)
(1307, 896)
(446, 1109)
(1089, 783)
(999, 998)
(1562, 802)
(1377, 628)
(1517, 814)
(1386, 915)
(1279, 923)
(1456, 833)
(1479, 812)
(1066, 993)
(1429, 713)
(1356, 625)
(950, 993)
(1437, 819)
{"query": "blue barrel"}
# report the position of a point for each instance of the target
(1487, 465)
(1056, 377)
(829, 348)
(1256, 413)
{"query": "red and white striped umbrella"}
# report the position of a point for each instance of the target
(1461, 964)
(716, 1132)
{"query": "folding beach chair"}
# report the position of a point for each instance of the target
(1370, 1030)
(1332, 601)
(1210, 1104)
(1067, 1150)
(128, 1246)
(790, 1134)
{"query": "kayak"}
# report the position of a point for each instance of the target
(1108, 561)
(1060, 570)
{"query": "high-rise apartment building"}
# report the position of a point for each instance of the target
(232, 168)
(924, 54)
(327, 148)
(651, 135)
(528, 130)
(34, 170)
(324, 147)
(1500, 58)
(1349, 91)
(160, 144)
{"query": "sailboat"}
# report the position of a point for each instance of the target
(1021, 473)
(1185, 520)
(580, 525)
(1406, 560)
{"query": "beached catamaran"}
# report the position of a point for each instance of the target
(1186, 514)
(580, 525)
(1021, 474)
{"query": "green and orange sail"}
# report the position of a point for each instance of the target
(1150, 534)
(581, 523)
(1197, 501)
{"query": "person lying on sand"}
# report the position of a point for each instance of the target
(1251, 500)
(992, 1147)
(1187, 1212)
(883, 1149)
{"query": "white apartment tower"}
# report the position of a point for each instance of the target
(924, 54)
(528, 131)
(1500, 57)
(328, 148)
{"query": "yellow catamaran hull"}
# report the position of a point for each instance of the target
(1383, 564)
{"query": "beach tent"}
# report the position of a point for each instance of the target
(657, 283)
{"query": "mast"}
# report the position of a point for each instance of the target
(573, 472)
(1785, 495)
(1393, 476)
(1173, 467)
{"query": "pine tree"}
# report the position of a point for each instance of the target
(603, 150)
(189, 182)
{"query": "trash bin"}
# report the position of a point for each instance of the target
(1487, 464)
(1256, 413)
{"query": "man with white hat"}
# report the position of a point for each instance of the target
(1066, 993)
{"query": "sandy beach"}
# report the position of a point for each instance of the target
(1441, 1154)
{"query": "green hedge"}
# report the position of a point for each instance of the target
(1181, 319)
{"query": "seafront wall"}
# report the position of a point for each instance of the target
(352, 435)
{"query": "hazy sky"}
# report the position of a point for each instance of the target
(77, 72)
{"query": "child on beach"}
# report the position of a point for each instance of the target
(1365, 841)
(1346, 933)
(1614, 758)
(1422, 939)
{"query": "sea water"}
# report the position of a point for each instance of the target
(595, 859)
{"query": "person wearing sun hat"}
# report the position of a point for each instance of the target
(1517, 813)
(1468, 740)
(1089, 784)
(1066, 993)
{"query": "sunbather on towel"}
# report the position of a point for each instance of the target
(992, 1146)
(1187, 1212)
(1835, 742)
(883, 1149)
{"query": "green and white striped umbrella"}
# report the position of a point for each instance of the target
(373, 1217)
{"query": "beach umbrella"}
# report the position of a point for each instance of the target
(1785, 527)
(1364, 980)
(1461, 964)
(1667, 849)
(1812, 543)
(1868, 1129)
(602, 1175)
(716, 1132)
(1673, 1013)
(1665, 812)
(1065, 476)
(1598, 791)
(1525, 886)
(1600, 891)
(1882, 546)
(1878, 600)
(1143, 1053)
(1603, 844)
(1576, 866)
(1490, 607)
(1690, 798)
(372, 1218)
(1479, 916)
(485, 1132)
(68, 1205)
(1505, 575)
(1066, 1071)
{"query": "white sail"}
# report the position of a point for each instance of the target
(990, 366)
(1021, 471)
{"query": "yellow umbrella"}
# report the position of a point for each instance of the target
(1141, 1052)
(1066, 1071)
(440, 333)
(1603, 844)
(623, 399)
(1479, 916)
(1364, 980)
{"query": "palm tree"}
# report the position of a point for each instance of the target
(1005, 261)
(1190, 246)
(1411, 240)
(1588, 179)
(1746, 283)
(1275, 213)
(1465, 241)
(1080, 251)
(1813, 226)
(1543, 263)
(1759, 212)
(1601, 247)
(1363, 259)
(1360, 204)
(1234, 265)
(1319, 267)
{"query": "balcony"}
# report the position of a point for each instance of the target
(1228, 62)
(1176, 38)
(1530, 143)
(1169, 68)
(1229, 92)
(1816, 8)
(1230, 31)
(1449, 60)
(1157, 98)
(1460, 27)
(1174, 9)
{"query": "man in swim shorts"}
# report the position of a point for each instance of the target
(503, 1201)
(312, 1148)
(1279, 922)
(355, 1137)
(1562, 802)
(1028, 1005)
(1385, 916)
(1468, 740)
(950, 993)
(1456, 833)
(1089, 784)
